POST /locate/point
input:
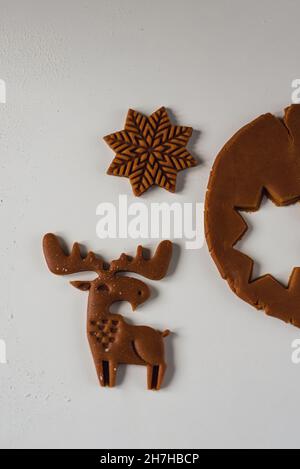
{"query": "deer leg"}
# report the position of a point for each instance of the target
(149, 376)
(161, 373)
(102, 371)
(112, 371)
(152, 376)
(155, 376)
(107, 371)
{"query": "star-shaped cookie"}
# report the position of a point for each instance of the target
(150, 151)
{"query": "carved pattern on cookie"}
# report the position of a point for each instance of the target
(112, 340)
(150, 151)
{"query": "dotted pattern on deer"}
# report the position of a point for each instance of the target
(112, 340)
(105, 331)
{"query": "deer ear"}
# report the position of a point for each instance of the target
(83, 286)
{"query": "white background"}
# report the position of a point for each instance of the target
(72, 69)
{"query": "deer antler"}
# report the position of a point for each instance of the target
(60, 263)
(153, 269)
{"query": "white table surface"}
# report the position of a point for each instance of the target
(72, 69)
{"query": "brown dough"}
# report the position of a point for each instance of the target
(150, 151)
(262, 158)
(112, 340)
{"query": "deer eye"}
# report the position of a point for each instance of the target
(102, 288)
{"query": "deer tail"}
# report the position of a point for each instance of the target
(166, 333)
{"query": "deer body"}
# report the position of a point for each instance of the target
(112, 340)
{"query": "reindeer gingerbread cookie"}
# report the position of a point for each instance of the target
(112, 340)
